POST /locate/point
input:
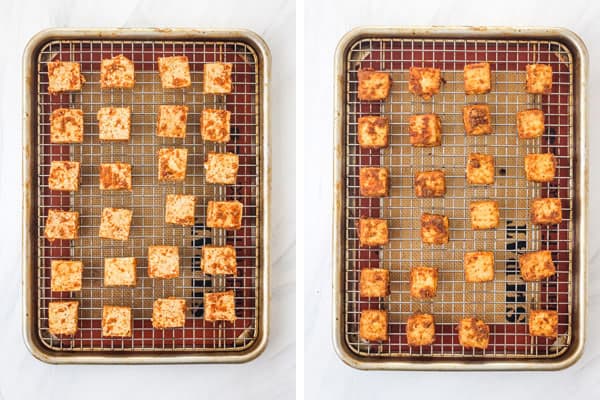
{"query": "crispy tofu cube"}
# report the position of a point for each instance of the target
(117, 72)
(473, 333)
(479, 266)
(116, 321)
(61, 225)
(480, 169)
(114, 123)
(484, 214)
(218, 260)
(64, 76)
(115, 223)
(434, 229)
(543, 323)
(172, 121)
(217, 77)
(374, 282)
(423, 282)
(373, 182)
(478, 78)
(65, 275)
(172, 164)
(163, 262)
(373, 132)
(546, 211)
(539, 78)
(168, 313)
(214, 125)
(540, 167)
(372, 232)
(430, 184)
(477, 119)
(64, 176)
(224, 214)
(530, 124)
(180, 209)
(222, 168)
(63, 317)
(425, 130)
(424, 82)
(536, 266)
(420, 330)
(219, 306)
(66, 125)
(119, 271)
(373, 325)
(174, 72)
(373, 85)
(115, 176)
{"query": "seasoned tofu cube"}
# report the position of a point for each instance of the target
(374, 282)
(373, 85)
(115, 176)
(543, 323)
(430, 184)
(66, 125)
(477, 119)
(536, 266)
(373, 182)
(168, 313)
(373, 132)
(180, 209)
(530, 124)
(172, 164)
(546, 211)
(218, 260)
(373, 325)
(65, 275)
(423, 282)
(224, 214)
(539, 78)
(434, 229)
(116, 321)
(119, 271)
(63, 317)
(117, 72)
(480, 169)
(478, 78)
(217, 77)
(114, 123)
(221, 168)
(540, 167)
(473, 333)
(61, 225)
(64, 176)
(115, 223)
(372, 232)
(163, 262)
(172, 121)
(425, 130)
(420, 330)
(219, 306)
(484, 214)
(424, 82)
(479, 266)
(174, 72)
(214, 125)
(64, 76)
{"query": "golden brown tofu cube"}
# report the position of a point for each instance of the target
(373, 132)
(478, 78)
(530, 124)
(172, 164)
(479, 266)
(115, 176)
(434, 229)
(546, 211)
(424, 82)
(374, 282)
(64, 76)
(119, 271)
(61, 225)
(543, 323)
(373, 325)
(65, 275)
(484, 214)
(540, 167)
(218, 260)
(172, 121)
(117, 72)
(63, 317)
(214, 125)
(539, 78)
(372, 232)
(480, 169)
(536, 266)
(373, 85)
(116, 321)
(168, 313)
(423, 282)
(174, 72)
(221, 168)
(420, 330)
(217, 77)
(373, 182)
(66, 125)
(425, 130)
(163, 262)
(430, 184)
(473, 333)
(219, 306)
(224, 214)
(477, 119)
(115, 223)
(114, 123)
(180, 209)
(64, 176)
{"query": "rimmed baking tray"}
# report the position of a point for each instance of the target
(503, 303)
(199, 341)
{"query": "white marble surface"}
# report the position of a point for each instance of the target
(326, 376)
(272, 374)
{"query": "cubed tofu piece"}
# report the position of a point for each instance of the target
(119, 271)
(114, 123)
(66, 125)
(543, 323)
(373, 85)
(65, 275)
(115, 176)
(163, 262)
(372, 232)
(64, 176)
(373, 325)
(479, 266)
(168, 313)
(425, 130)
(539, 78)
(373, 132)
(64, 76)
(174, 72)
(63, 317)
(172, 164)
(434, 229)
(116, 321)
(172, 121)
(480, 169)
(374, 282)
(430, 183)
(218, 260)
(423, 282)
(373, 182)
(214, 125)
(180, 209)
(219, 306)
(224, 214)
(115, 223)
(530, 124)
(117, 72)
(478, 78)
(484, 214)
(473, 333)
(424, 82)
(536, 266)
(222, 168)
(477, 119)
(540, 167)
(217, 77)
(420, 330)
(546, 211)
(61, 225)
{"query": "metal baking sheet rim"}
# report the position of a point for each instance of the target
(29, 311)
(565, 360)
